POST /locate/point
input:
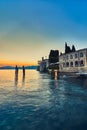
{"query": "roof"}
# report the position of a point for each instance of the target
(74, 52)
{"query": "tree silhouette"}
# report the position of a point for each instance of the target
(54, 56)
(73, 48)
(67, 48)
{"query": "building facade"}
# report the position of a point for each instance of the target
(73, 61)
(43, 65)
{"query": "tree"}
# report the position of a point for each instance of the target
(73, 48)
(54, 56)
(67, 48)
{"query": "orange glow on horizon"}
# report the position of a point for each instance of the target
(14, 63)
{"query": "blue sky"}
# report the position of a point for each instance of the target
(30, 28)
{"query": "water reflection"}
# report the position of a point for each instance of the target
(54, 74)
(23, 79)
(16, 79)
(19, 79)
(77, 81)
(85, 83)
(16, 70)
(53, 84)
(16, 75)
(61, 102)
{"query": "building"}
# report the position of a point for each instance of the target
(73, 61)
(43, 65)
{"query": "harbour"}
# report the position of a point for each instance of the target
(70, 63)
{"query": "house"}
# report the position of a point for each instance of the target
(43, 65)
(73, 61)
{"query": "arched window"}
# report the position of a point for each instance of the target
(71, 64)
(76, 63)
(76, 55)
(67, 57)
(71, 57)
(67, 64)
(63, 57)
(81, 54)
(81, 63)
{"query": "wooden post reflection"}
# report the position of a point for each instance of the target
(16, 75)
(16, 79)
(56, 74)
(23, 80)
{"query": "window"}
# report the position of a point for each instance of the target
(67, 64)
(81, 63)
(76, 64)
(76, 55)
(81, 54)
(64, 58)
(71, 64)
(67, 57)
(71, 57)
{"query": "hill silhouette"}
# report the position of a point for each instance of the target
(11, 67)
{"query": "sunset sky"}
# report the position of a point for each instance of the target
(29, 29)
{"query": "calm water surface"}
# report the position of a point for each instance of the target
(37, 102)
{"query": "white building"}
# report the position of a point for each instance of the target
(73, 61)
(43, 65)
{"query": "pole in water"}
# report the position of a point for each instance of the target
(23, 71)
(16, 70)
(16, 75)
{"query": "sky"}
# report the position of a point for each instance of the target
(29, 29)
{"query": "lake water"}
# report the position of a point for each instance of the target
(37, 102)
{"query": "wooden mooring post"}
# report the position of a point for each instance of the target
(54, 74)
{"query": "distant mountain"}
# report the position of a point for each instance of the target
(7, 67)
(11, 67)
(31, 67)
